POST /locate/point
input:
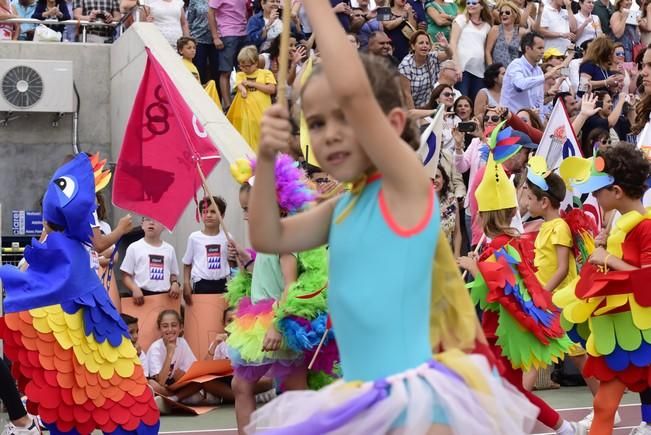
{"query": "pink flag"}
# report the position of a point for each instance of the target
(156, 173)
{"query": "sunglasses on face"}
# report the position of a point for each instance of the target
(447, 94)
(619, 53)
(472, 3)
(506, 12)
(493, 118)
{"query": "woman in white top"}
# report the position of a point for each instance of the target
(169, 18)
(469, 31)
(490, 95)
(588, 25)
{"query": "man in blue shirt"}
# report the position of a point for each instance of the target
(25, 9)
(523, 86)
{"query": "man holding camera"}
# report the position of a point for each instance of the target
(106, 11)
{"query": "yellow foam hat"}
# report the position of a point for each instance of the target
(496, 191)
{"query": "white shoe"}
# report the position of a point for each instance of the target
(578, 428)
(265, 397)
(587, 420)
(642, 429)
(162, 405)
(11, 429)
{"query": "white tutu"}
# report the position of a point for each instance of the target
(405, 403)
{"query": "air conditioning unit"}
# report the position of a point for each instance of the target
(36, 85)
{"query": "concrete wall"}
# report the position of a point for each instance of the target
(30, 148)
(128, 59)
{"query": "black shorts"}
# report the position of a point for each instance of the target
(209, 286)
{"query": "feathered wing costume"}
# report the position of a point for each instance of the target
(518, 310)
(302, 316)
(610, 311)
(71, 352)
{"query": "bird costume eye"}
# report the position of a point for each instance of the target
(67, 186)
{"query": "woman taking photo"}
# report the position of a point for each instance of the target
(468, 43)
(463, 109)
(503, 40)
(400, 27)
(419, 70)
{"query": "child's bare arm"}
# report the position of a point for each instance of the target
(562, 267)
(269, 233)
(405, 183)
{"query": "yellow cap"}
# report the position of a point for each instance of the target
(552, 52)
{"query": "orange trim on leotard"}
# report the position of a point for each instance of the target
(395, 227)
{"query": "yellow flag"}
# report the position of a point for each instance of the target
(305, 135)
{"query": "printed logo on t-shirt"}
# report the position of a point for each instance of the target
(214, 256)
(156, 267)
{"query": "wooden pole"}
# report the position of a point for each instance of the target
(476, 251)
(318, 349)
(283, 61)
(220, 218)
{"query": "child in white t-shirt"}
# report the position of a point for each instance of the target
(132, 326)
(150, 266)
(205, 263)
(170, 357)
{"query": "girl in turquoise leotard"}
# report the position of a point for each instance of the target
(382, 238)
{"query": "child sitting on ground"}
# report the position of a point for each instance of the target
(132, 326)
(170, 357)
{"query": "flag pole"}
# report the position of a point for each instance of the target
(220, 218)
(283, 61)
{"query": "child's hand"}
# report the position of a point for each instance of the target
(178, 374)
(175, 290)
(598, 256)
(187, 293)
(170, 346)
(469, 263)
(125, 224)
(272, 340)
(138, 297)
(275, 132)
(242, 90)
(602, 238)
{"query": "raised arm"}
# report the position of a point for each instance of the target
(402, 170)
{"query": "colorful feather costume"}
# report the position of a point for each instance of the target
(519, 313)
(301, 317)
(614, 304)
(71, 352)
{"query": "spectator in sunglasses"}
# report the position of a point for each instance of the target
(623, 31)
(503, 40)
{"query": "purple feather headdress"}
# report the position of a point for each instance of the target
(292, 186)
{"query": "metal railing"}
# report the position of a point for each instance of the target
(83, 25)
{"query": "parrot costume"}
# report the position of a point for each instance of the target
(71, 352)
(301, 317)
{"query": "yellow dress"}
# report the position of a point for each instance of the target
(210, 87)
(552, 233)
(246, 113)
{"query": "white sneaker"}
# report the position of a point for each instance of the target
(11, 429)
(587, 420)
(578, 428)
(162, 405)
(642, 429)
(265, 397)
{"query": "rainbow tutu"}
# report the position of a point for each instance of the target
(457, 390)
